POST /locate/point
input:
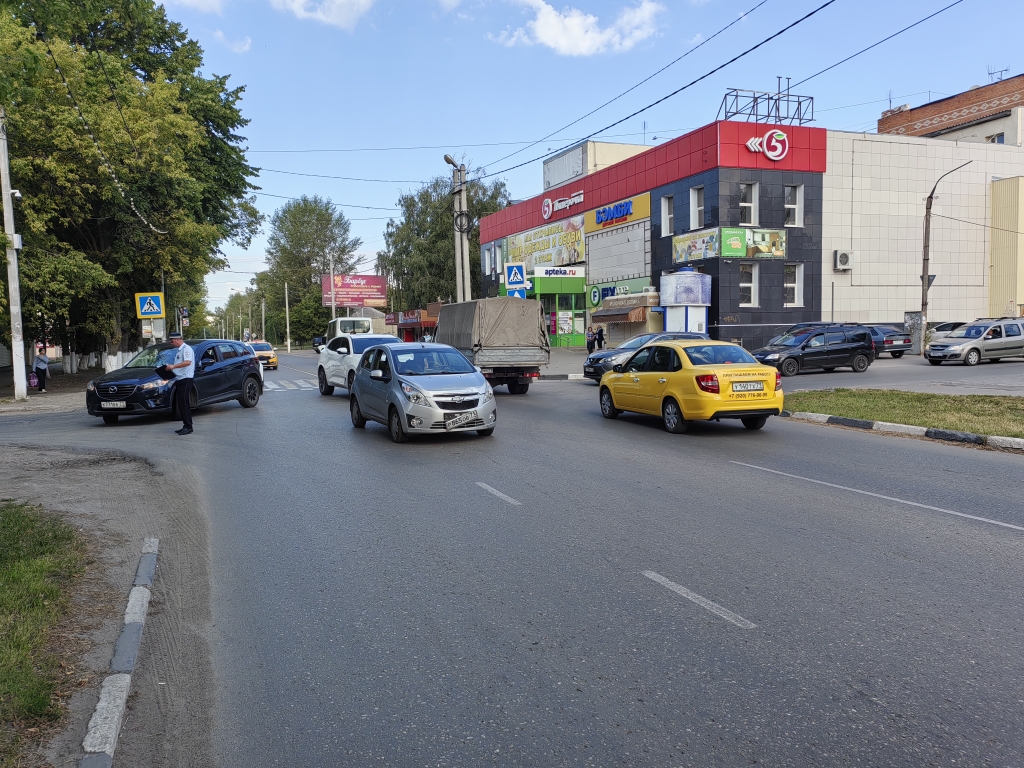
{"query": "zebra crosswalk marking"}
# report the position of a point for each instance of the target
(288, 385)
(271, 385)
(304, 383)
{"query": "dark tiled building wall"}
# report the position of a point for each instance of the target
(727, 319)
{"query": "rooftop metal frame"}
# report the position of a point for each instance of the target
(780, 107)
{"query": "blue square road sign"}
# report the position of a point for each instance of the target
(149, 305)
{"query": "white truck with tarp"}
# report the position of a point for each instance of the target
(505, 337)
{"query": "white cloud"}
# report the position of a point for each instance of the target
(449, 5)
(238, 46)
(209, 6)
(571, 32)
(340, 13)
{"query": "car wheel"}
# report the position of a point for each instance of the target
(790, 367)
(935, 362)
(829, 369)
(672, 415)
(519, 389)
(608, 409)
(485, 432)
(754, 422)
(110, 418)
(351, 380)
(973, 357)
(358, 421)
(860, 363)
(321, 379)
(250, 392)
(395, 427)
(897, 355)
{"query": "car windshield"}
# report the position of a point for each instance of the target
(637, 342)
(261, 346)
(719, 354)
(361, 345)
(431, 362)
(968, 332)
(151, 357)
(793, 339)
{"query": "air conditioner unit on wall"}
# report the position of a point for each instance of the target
(844, 260)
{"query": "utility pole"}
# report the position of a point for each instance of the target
(457, 204)
(334, 302)
(263, 319)
(287, 320)
(925, 281)
(463, 227)
(13, 281)
(250, 318)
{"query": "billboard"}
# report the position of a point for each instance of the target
(729, 243)
(552, 245)
(616, 214)
(355, 290)
(702, 244)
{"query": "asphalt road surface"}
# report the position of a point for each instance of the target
(580, 592)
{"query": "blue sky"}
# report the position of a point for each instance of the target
(474, 77)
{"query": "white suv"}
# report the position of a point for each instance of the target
(340, 356)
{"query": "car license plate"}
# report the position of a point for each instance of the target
(748, 386)
(588, 369)
(113, 404)
(455, 420)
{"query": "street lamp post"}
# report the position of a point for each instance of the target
(457, 197)
(925, 257)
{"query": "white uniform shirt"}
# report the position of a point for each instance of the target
(183, 354)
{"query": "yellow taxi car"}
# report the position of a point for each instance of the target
(684, 381)
(265, 353)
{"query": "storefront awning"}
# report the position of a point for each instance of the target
(621, 315)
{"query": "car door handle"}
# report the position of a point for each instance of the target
(635, 379)
(662, 381)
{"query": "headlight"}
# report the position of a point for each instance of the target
(615, 359)
(413, 395)
(955, 348)
(772, 356)
(153, 385)
(488, 394)
(91, 387)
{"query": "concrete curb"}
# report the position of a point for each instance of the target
(945, 435)
(105, 725)
(561, 377)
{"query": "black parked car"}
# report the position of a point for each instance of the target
(225, 370)
(826, 347)
(599, 363)
(891, 340)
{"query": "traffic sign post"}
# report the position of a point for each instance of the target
(149, 305)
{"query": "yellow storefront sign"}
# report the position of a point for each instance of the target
(622, 212)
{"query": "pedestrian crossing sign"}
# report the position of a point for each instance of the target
(519, 293)
(149, 305)
(515, 275)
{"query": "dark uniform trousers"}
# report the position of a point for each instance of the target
(182, 387)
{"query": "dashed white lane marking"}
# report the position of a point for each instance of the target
(500, 495)
(288, 385)
(703, 602)
(887, 498)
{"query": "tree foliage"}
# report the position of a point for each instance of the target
(418, 257)
(132, 170)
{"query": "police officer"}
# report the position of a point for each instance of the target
(184, 367)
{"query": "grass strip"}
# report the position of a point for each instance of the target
(980, 414)
(39, 557)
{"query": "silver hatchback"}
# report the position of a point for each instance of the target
(421, 389)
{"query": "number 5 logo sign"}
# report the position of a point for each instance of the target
(774, 145)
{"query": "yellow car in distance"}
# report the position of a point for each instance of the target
(684, 381)
(265, 353)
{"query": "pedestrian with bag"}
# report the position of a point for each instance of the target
(600, 337)
(590, 339)
(184, 368)
(40, 367)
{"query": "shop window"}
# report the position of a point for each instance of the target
(696, 207)
(794, 285)
(668, 216)
(748, 284)
(795, 205)
(748, 204)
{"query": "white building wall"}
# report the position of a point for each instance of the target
(873, 203)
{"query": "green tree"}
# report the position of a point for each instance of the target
(418, 257)
(140, 174)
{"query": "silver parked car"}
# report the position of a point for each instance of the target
(416, 388)
(984, 339)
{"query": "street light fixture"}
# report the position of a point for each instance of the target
(925, 285)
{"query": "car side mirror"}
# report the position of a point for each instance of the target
(617, 368)
(377, 374)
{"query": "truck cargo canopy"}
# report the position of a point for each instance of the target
(503, 321)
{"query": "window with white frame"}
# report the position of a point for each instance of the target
(748, 204)
(668, 216)
(794, 205)
(748, 285)
(793, 285)
(696, 207)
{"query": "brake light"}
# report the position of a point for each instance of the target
(709, 383)
(778, 381)
(888, 341)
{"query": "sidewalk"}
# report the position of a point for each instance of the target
(64, 392)
(564, 361)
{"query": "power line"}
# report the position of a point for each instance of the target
(113, 93)
(634, 87)
(346, 178)
(978, 224)
(340, 205)
(706, 75)
(380, 149)
(875, 45)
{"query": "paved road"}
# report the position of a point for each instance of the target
(578, 592)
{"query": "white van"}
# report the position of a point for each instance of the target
(347, 325)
